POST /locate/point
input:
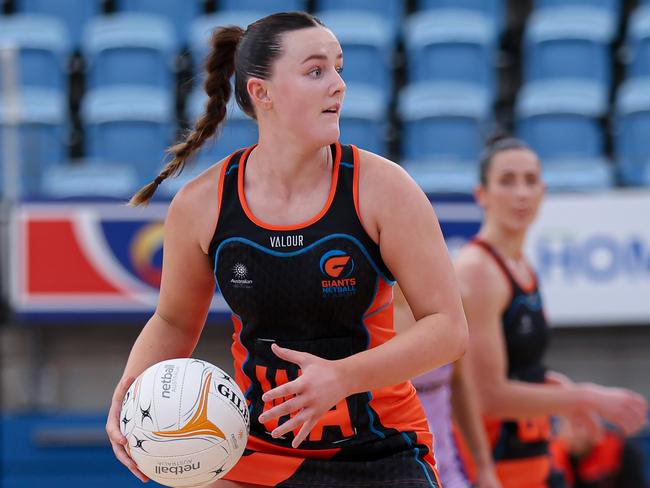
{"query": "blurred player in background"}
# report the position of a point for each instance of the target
(301, 235)
(582, 460)
(444, 392)
(508, 330)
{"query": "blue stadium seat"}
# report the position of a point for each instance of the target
(613, 6)
(392, 11)
(89, 179)
(367, 51)
(130, 49)
(42, 121)
(443, 176)
(493, 9)
(578, 175)
(451, 45)
(264, 6)
(202, 28)
(238, 131)
(442, 134)
(560, 119)
(130, 125)
(638, 43)
(43, 47)
(363, 118)
(443, 121)
(569, 42)
(632, 140)
(180, 14)
(74, 13)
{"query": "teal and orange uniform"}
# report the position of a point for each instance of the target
(323, 288)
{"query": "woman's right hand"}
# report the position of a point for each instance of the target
(118, 441)
(622, 407)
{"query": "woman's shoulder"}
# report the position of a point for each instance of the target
(378, 166)
(195, 207)
(387, 178)
(479, 274)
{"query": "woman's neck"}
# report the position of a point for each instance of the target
(507, 243)
(287, 168)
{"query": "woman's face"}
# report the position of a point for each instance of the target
(305, 90)
(514, 189)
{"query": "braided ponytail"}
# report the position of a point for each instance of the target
(220, 66)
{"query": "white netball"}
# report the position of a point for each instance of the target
(186, 422)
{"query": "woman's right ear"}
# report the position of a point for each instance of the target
(479, 195)
(258, 93)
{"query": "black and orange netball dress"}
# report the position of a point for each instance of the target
(521, 448)
(320, 287)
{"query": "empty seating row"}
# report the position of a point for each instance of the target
(140, 48)
(443, 126)
(442, 45)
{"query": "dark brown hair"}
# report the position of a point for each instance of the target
(244, 53)
(497, 142)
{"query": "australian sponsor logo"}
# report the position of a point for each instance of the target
(177, 467)
(286, 241)
(338, 267)
(240, 276)
(236, 401)
(168, 380)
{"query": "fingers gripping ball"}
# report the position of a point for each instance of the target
(186, 422)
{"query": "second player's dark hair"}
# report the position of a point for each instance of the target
(497, 142)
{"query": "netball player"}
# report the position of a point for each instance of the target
(444, 391)
(304, 237)
(508, 329)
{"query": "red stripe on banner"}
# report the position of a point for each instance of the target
(56, 262)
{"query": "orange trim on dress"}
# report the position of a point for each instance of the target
(531, 472)
(222, 178)
(316, 218)
(355, 180)
(264, 469)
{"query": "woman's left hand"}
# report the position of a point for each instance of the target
(320, 386)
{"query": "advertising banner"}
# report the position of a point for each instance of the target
(72, 260)
(84, 258)
(592, 253)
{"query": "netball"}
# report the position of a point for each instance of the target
(186, 422)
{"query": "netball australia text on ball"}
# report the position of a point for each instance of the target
(168, 380)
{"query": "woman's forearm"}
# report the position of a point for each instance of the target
(159, 340)
(431, 342)
(516, 399)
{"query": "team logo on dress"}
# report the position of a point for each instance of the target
(526, 325)
(338, 267)
(336, 264)
(240, 276)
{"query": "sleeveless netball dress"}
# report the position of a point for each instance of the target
(521, 448)
(434, 391)
(320, 287)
